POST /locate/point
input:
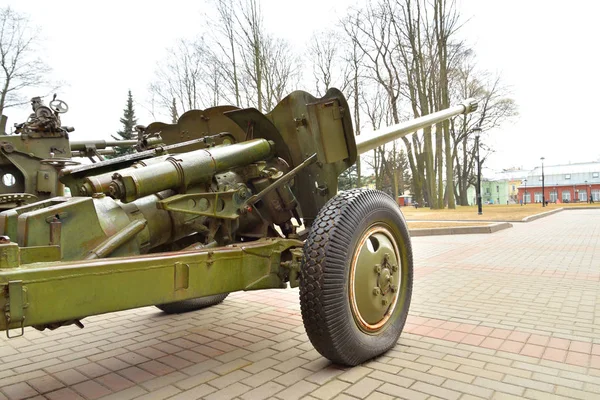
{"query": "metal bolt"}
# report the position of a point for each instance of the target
(378, 268)
(394, 268)
(391, 279)
(386, 256)
(393, 288)
(376, 291)
(384, 302)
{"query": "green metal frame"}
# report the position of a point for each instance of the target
(43, 293)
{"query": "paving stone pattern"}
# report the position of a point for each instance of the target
(504, 316)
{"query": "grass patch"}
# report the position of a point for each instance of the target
(492, 212)
(442, 224)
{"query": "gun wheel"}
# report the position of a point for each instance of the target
(183, 306)
(356, 277)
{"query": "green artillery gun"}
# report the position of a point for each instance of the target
(252, 205)
(30, 160)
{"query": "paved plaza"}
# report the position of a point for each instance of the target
(514, 314)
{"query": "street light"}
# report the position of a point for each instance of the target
(525, 194)
(586, 192)
(477, 131)
(543, 195)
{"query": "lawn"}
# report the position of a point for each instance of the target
(442, 224)
(514, 212)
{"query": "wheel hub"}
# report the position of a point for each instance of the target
(373, 278)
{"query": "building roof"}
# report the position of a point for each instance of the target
(567, 169)
(565, 174)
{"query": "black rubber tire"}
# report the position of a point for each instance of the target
(325, 275)
(183, 306)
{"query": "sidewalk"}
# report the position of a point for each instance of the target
(510, 315)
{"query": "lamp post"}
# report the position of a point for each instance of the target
(587, 192)
(477, 131)
(543, 195)
(525, 194)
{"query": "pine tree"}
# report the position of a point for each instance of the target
(129, 121)
(174, 115)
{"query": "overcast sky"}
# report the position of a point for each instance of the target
(545, 50)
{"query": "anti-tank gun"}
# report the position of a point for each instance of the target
(181, 231)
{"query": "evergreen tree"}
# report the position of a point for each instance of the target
(129, 121)
(174, 115)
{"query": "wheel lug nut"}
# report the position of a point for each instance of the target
(376, 291)
(394, 268)
(377, 268)
(393, 288)
(384, 302)
(386, 257)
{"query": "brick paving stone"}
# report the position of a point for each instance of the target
(162, 393)
(136, 374)
(363, 387)
(436, 391)
(230, 378)
(293, 376)
(197, 393)
(297, 390)
(45, 384)
(91, 390)
(19, 391)
(114, 382)
(499, 386)
(64, 394)
(330, 390)
(354, 374)
(229, 392)
(400, 392)
(163, 381)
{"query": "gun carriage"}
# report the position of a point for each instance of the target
(251, 204)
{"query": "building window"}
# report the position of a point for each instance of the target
(527, 198)
(566, 196)
(497, 189)
(596, 194)
(513, 188)
(582, 195)
(595, 174)
(538, 197)
(553, 196)
(568, 176)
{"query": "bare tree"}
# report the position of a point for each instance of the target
(227, 27)
(251, 42)
(323, 51)
(281, 71)
(20, 65)
(496, 107)
(187, 78)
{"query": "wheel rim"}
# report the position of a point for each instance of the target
(375, 278)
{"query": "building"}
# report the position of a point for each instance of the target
(562, 184)
(499, 187)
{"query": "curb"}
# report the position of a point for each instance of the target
(460, 230)
(542, 215)
(548, 213)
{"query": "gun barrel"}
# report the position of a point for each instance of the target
(378, 138)
(80, 145)
(185, 169)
